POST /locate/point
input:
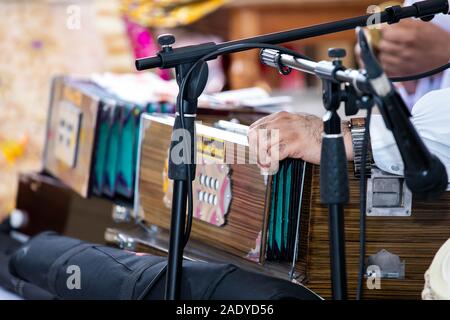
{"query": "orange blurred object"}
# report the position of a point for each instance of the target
(13, 150)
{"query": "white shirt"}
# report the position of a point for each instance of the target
(6, 295)
(430, 117)
(439, 81)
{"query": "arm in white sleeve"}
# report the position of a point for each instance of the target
(430, 117)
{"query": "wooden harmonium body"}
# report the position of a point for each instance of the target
(278, 223)
(403, 234)
(236, 208)
(66, 213)
(92, 138)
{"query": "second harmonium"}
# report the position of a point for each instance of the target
(236, 209)
(91, 140)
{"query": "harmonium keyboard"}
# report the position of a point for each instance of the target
(92, 138)
(276, 224)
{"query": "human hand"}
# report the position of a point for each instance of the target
(293, 136)
(412, 47)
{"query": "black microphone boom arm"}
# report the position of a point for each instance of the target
(189, 54)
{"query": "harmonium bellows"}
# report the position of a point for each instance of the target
(92, 138)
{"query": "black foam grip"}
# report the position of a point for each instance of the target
(333, 171)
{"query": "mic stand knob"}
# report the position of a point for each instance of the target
(337, 54)
(166, 41)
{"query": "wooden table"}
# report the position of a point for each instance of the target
(248, 18)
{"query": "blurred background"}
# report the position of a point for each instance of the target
(40, 39)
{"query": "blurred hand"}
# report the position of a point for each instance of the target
(297, 136)
(412, 47)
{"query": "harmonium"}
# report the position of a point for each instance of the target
(92, 138)
(275, 224)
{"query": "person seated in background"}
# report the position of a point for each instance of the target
(300, 136)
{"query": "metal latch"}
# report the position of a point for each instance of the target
(386, 265)
(388, 195)
(121, 213)
(121, 240)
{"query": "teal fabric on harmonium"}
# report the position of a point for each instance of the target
(112, 154)
(284, 213)
(126, 159)
(119, 161)
(103, 159)
(116, 146)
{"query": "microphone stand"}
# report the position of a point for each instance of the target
(334, 188)
(178, 168)
(359, 93)
(183, 58)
